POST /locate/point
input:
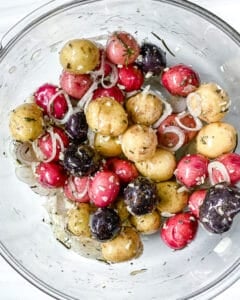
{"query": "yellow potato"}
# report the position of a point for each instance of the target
(144, 108)
(106, 116)
(127, 245)
(216, 139)
(170, 200)
(148, 223)
(78, 220)
(26, 122)
(139, 142)
(159, 167)
(121, 208)
(79, 56)
(212, 100)
(108, 146)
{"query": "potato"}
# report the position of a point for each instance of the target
(159, 167)
(170, 200)
(212, 100)
(144, 108)
(215, 139)
(106, 116)
(121, 208)
(127, 245)
(107, 146)
(139, 142)
(148, 223)
(26, 122)
(79, 56)
(78, 220)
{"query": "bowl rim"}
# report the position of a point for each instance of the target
(233, 272)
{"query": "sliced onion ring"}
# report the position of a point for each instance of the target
(113, 78)
(196, 120)
(25, 174)
(167, 110)
(195, 112)
(69, 104)
(23, 152)
(221, 168)
(181, 137)
(75, 193)
(87, 97)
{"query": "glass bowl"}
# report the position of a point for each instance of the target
(28, 58)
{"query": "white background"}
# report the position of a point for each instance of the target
(12, 285)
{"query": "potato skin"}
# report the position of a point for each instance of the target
(79, 56)
(78, 220)
(144, 108)
(213, 100)
(121, 208)
(216, 139)
(127, 245)
(107, 146)
(159, 167)
(148, 223)
(170, 200)
(106, 116)
(26, 122)
(139, 142)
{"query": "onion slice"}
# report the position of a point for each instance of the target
(196, 120)
(87, 97)
(75, 193)
(113, 78)
(221, 168)
(25, 174)
(167, 110)
(23, 152)
(69, 104)
(181, 137)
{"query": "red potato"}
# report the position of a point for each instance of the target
(125, 169)
(75, 85)
(231, 161)
(76, 189)
(46, 143)
(122, 48)
(50, 175)
(112, 92)
(104, 188)
(43, 96)
(170, 139)
(180, 80)
(179, 230)
(192, 170)
(130, 77)
(196, 200)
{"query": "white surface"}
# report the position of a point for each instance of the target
(12, 285)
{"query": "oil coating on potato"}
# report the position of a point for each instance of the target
(212, 100)
(215, 139)
(79, 56)
(148, 223)
(121, 208)
(127, 245)
(159, 167)
(139, 142)
(107, 146)
(144, 108)
(78, 220)
(106, 116)
(171, 201)
(26, 122)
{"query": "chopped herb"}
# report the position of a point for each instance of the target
(164, 43)
(68, 66)
(133, 273)
(26, 151)
(28, 119)
(64, 244)
(204, 139)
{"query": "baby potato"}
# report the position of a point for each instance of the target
(26, 122)
(106, 116)
(159, 167)
(139, 142)
(212, 100)
(127, 245)
(171, 201)
(107, 146)
(216, 139)
(144, 108)
(121, 208)
(148, 223)
(79, 56)
(78, 220)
